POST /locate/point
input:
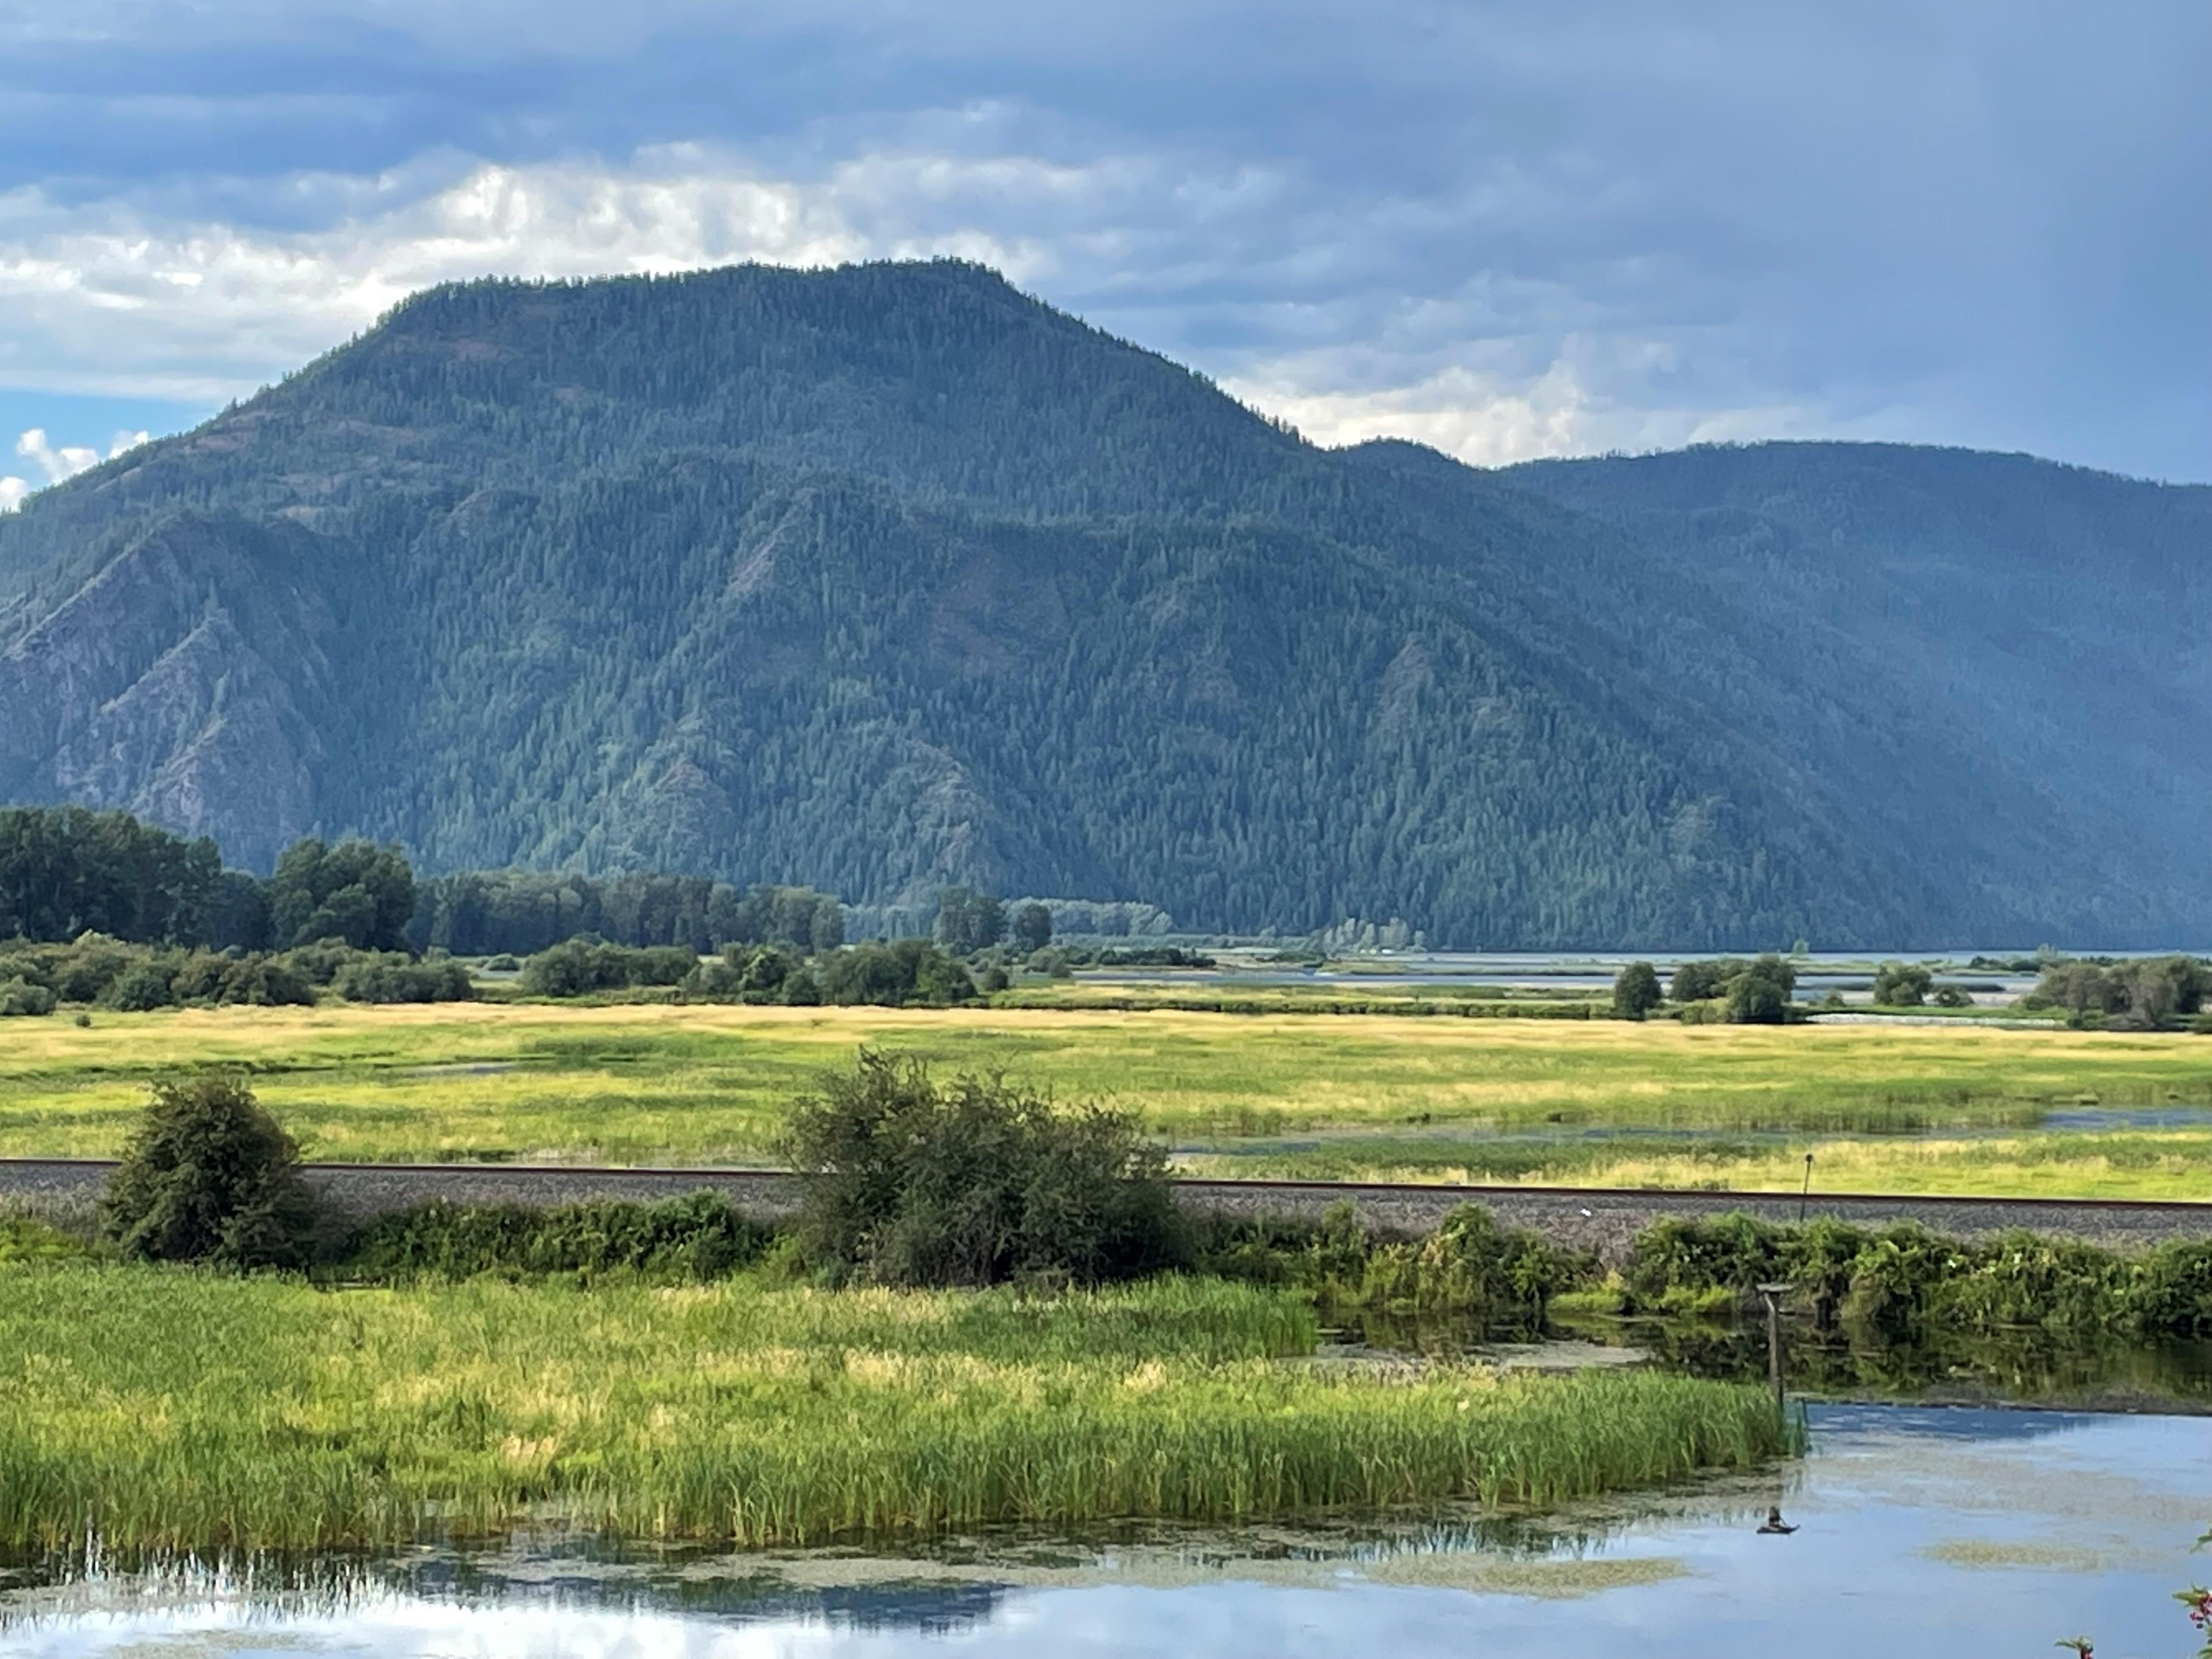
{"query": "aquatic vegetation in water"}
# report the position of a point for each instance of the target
(1469, 1265)
(166, 1407)
(1902, 1279)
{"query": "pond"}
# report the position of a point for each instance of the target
(1918, 1531)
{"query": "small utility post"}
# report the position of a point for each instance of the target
(1807, 1192)
(1772, 1294)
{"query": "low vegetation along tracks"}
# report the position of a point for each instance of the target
(1602, 1217)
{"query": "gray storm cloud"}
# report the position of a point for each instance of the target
(1507, 231)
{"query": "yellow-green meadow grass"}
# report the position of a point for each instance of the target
(710, 1084)
(173, 1409)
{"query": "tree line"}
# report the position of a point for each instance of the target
(98, 909)
(68, 871)
(1754, 992)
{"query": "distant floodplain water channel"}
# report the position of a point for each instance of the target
(1917, 1531)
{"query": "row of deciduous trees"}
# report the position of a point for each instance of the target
(67, 870)
(1756, 992)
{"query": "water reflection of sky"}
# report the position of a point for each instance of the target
(1921, 1532)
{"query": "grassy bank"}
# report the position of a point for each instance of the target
(171, 1408)
(1359, 1094)
(2121, 1163)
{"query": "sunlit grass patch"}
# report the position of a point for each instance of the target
(702, 1084)
(179, 1410)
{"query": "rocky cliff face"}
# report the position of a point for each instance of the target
(186, 680)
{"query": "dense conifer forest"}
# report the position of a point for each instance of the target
(880, 580)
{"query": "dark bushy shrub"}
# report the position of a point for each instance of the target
(141, 988)
(239, 977)
(2146, 994)
(1700, 981)
(138, 978)
(698, 1237)
(975, 1183)
(210, 1175)
(1470, 1265)
(579, 967)
(394, 976)
(1676, 1257)
(2173, 1289)
(1754, 993)
(1904, 1280)
(908, 971)
(20, 996)
(756, 974)
(1902, 984)
(1636, 991)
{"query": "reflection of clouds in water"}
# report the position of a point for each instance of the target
(1840, 1423)
(430, 1630)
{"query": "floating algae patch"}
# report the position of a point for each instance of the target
(2022, 1554)
(1307, 1563)
(1553, 1579)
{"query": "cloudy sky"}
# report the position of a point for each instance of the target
(1508, 230)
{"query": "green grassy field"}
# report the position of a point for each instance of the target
(172, 1409)
(1327, 1096)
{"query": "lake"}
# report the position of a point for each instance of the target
(1919, 1531)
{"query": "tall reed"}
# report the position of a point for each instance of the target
(165, 1409)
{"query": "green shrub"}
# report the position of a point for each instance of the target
(1901, 985)
(1701, 981)
(322, 961)
(1761, 994)
(25, 1240)
(394, 976)
(581, 966)
(141, 988)
(19, 996)
(1676, 1255)
(1468, 1266)
(239, 977)
(139, 978)
(895, 975)
(977, 1183)
(1472, 1265)
(210, 1175)
(2171, 1296)
(1904, 1280)
(698, 1237)
(1636, 991)
(2021, 1278)
(760, 974)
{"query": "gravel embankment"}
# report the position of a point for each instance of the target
(1604, 1219)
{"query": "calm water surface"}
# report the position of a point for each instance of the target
(1920, 1532)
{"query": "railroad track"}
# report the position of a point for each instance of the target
(1602, 1217)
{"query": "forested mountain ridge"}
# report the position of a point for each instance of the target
(888, 577)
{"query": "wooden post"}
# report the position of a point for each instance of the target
(1772, 1295)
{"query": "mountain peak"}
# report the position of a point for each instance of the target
(880, 577)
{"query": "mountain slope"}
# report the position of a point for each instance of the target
(886, 577)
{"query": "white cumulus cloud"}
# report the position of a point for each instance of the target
(65, 461)
(119, 299)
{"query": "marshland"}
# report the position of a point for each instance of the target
(1955, 1108)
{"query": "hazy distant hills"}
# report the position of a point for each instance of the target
(882, 578)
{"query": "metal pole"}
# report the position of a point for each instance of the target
(1807, 1191)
